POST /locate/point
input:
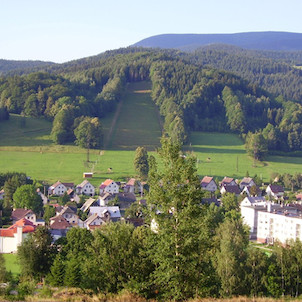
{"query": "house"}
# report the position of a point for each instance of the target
(70, 215)
(211, 200)
(275, 191)
(29, 215)
(133, 186)
(105, 198)
(208, 184)
(58, 227)
(94, 221)
(111, 213)
(13, 236)
(230, 189)
(228, 181)
(85, 188)
(246, 182)
(109, 186)
(251, 191)
(1, 194)
(299, 197)
(59, 188)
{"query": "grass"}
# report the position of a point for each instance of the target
(25, 146)
(11, 263)
(223, 154)
(138, 121)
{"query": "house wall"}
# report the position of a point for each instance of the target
(279, 227)
(212, 187)
(112, 188)
(250, 218)
(88, 189)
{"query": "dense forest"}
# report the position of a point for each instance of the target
(191, 91)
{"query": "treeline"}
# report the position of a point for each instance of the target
(4, 115)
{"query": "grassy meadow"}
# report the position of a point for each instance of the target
(26, 146)
(223, 154)
(138, 120)
(11, 263)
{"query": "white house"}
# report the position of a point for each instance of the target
(246, 182)
(106, 213)
(29, 215)
(228, 181)
(13, 236)
(109, 186)
(230, 189)
(275, 191)
(133, 186)
(85, 188)
(208, 183)
(251, 191)
(70, 215)
(59, 188)
(94, 221)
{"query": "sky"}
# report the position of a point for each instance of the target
(64, 30)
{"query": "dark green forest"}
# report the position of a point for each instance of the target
(215, 89)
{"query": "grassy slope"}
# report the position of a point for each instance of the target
(137, 124)
(29, 148)
(217, 155)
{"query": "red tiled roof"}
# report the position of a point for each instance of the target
(131, 182)
(206, 180)
(56, 184)
(27, 227)
(59, 223)
(106, 183)
(227, 180)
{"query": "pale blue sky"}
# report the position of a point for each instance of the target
(63, 30)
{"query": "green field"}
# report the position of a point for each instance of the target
(222, 154)
(11, 263)
(25, 146)
(138, 120)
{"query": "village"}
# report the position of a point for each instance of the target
(267, 212)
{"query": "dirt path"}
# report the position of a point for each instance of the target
(116, 115)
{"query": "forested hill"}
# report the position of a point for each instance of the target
(284, 41)
(190, 95)
(7, 66)
(280, 73)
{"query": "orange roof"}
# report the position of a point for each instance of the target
(107, 182)
(27, 227)
(131, 182)
(206, 180)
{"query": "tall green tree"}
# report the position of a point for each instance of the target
(174, 197)
(141, 164)
(89, 133)
(231, 256)
(36, 253)
(26, 197)
(256, 145)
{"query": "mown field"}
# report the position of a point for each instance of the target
(11, 263)
(223, 154)
(138, 120)
(25, 146)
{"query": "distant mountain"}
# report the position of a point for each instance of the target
(6, 66)
(284, 41)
